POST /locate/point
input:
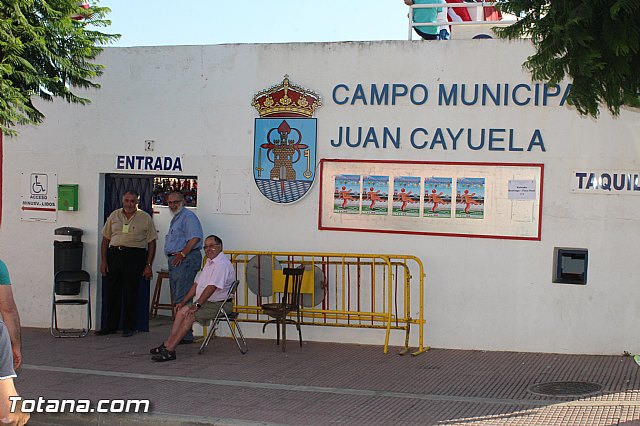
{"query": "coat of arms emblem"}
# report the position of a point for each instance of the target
(284, 146)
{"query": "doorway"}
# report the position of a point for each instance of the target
(115, 185)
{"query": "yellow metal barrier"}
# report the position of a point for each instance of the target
(339, 289)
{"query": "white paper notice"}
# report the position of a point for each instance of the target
(522, 189)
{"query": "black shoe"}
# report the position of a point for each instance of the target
(127, 333)
(104, 332)
(185, 342)
(164, 355)
(157, 350)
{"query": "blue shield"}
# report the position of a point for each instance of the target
(284, 157)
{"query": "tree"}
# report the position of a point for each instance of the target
(595, 43)
(46, 50)
(46, 53)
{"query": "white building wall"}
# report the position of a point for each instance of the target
(195, 101)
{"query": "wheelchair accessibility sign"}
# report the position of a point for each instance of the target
(39, 197)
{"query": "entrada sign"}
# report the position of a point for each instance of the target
(145, 163)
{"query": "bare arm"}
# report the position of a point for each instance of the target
(190, 245)
(206, 293)
(104, 268)
(11, 318)
(151, 254)
(185, 251)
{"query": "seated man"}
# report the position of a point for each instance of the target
(210, 290)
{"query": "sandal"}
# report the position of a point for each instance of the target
(156, 351)
(164, 355)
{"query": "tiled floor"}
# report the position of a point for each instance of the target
(320, 384)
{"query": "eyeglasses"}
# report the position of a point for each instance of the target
(173, 202)
(208, 246)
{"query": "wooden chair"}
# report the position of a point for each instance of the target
(232, 321)
(289, 302)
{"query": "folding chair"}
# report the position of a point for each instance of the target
(232, 321)
(67, 287)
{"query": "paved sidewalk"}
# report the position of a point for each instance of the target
(321, 384)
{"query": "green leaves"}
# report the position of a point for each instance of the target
(594, 43)
(45, 53)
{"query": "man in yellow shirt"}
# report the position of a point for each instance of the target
(128, 249)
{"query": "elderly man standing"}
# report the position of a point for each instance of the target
(182, 246)
(209, 289)
(128, 248)
(10, 353)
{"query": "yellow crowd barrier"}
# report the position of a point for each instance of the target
(338, 290)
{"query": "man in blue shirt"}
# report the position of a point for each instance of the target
(182, 246)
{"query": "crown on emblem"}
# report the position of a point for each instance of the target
(286, 100)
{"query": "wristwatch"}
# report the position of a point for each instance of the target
(198, 305)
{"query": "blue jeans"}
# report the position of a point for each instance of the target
(444, 34)
(181, 279)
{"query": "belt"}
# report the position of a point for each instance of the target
(125, 248)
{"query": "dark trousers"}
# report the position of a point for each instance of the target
(426, 36)
(125, 270)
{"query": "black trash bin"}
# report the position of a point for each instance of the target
(67, 256)
(68, 279)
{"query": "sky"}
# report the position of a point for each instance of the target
(189, 22)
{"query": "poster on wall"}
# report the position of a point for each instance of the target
(437, 197)
(470, 198)
(346, 198)
(406, 196)
(39, 197)
(375, 195)
(456, 199)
